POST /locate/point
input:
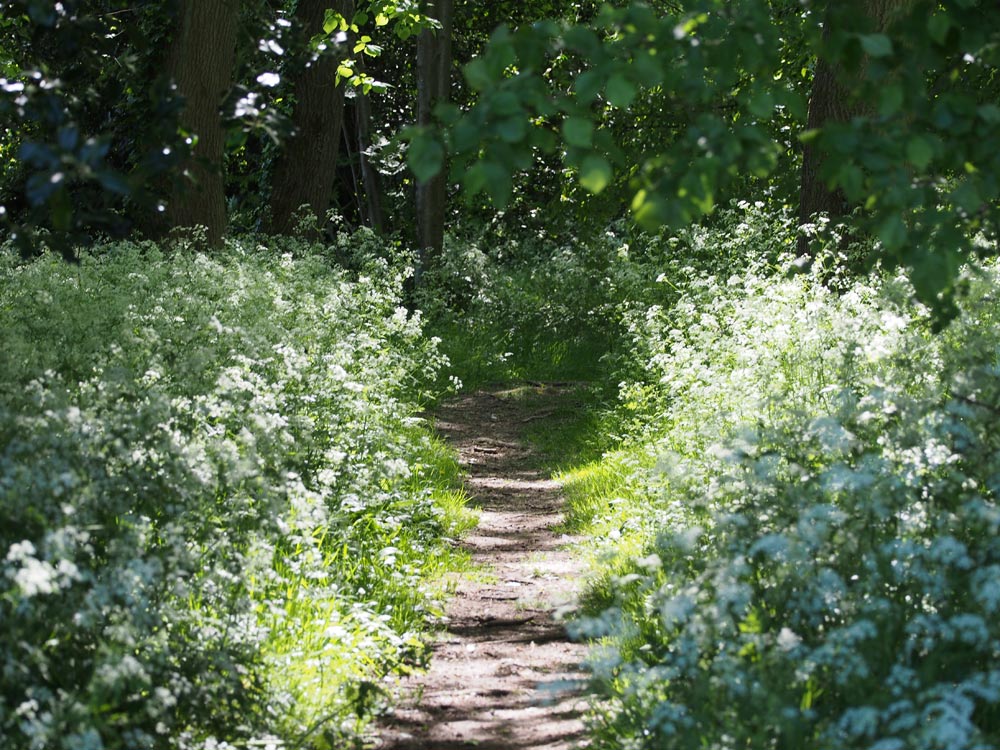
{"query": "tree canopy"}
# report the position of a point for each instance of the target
(672, 108)
(882, 113)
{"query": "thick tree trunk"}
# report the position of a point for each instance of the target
(830, 102)
(305, 171)
(201, 61)
(433, 85)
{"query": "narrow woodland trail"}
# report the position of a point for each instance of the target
(502, 674)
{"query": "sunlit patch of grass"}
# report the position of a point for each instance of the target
(566, 428)
(457, 516)
(334, 657)
(597, 493)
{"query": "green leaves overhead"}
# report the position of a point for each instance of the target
(673, 108)
(578, 131)
(876, 45)
(492, 177)
(595, 173)
(546, 87)
(919, 152)
(620, 91)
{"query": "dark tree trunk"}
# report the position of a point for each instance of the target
(201, 61)
(305, 171)
(830, 101)
(433, 84)
(369, 175)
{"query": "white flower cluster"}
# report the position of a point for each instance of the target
(209, 525)
(840, 464)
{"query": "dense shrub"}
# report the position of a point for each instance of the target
(218, 510)
(817, 528)
(551, 305)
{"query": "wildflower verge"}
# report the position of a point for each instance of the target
(803, 519)
(220, 516)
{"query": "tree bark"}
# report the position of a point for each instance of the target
(369, 175)
(433, 87)
(830, 101)
(305, 171)
(200, 62)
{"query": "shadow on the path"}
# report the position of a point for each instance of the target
(504, 674)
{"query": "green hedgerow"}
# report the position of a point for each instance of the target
(820, 530)
(213, 524)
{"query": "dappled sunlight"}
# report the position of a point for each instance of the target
(503, 673)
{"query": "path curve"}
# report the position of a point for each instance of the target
(503, 673)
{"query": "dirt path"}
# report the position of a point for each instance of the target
(503, 674)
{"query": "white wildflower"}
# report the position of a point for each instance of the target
(788, 639)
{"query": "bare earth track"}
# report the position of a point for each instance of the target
(502, 674)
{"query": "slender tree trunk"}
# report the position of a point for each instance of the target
(305, 171)
(830, 102)
(369, 175)
(200, 62)
(354, 164)
(433, 84)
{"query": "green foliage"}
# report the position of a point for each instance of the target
(79, 171)
(922, 162)
(807, 519)
(219, 513)
(529, 309)
(551, 306)
(719, 87)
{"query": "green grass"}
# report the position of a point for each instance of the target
(483, 353)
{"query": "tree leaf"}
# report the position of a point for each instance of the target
(966, 196)
(477, 75)
(595, 173)
(425, 156)
(851, 180)
(544, 139)
(113, 182)
(331, 21)
(990, 113)
(620, 91)
(652, 210)
(499, 185)
(512, 129)
(492, 177)
(919, 152)
(505, 103)
(584, 41)
(890, 100)
(892, 232)
(876, 45)
(647, 69)
(937, 26)
(588, 85)
(761, 104)
(578, 131)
